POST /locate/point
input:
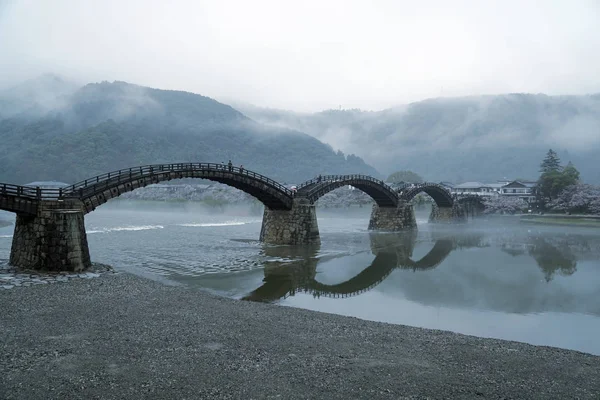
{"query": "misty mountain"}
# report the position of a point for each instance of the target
(106, 126)
(35, 96)
(479, 138)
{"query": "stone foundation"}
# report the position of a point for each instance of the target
(54, 239)
(446, 214)
(296, 226)
(393, 218)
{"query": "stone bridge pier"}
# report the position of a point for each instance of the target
(393, 218)
(299, 225)
(289, 227)
(54, 239)
(456, 213)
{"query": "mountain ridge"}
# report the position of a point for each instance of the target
(481, 138)
(106, 126)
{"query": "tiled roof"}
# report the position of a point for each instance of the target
(519, 183)
(471, 185)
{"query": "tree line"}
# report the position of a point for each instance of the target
(559, 188)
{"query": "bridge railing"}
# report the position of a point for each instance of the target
(411, 186)
(29, 192)
(336, 178)
(124, 175)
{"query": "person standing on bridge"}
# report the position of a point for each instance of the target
(230, 166)
(241, 168)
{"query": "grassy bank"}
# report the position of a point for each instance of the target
(565, 220)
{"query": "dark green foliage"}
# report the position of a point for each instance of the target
(554, 179)
(110, 126)
(570, 173)
(404, 177)
(551, 163)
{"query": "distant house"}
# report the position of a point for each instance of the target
(523, 190)
(474, 188)
(496, 187)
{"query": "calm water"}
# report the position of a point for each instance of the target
(492, 278)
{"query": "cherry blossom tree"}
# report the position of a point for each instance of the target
(581, 198)
(504, 205)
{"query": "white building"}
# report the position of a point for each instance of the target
(474, 188)
(523, 190)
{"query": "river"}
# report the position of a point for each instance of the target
(493, 277)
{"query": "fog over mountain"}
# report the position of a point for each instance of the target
(66, 131)
(383, 56)
(52, 130)
(468, 138)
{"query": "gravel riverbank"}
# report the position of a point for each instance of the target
(119, 336)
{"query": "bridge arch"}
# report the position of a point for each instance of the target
(98, 190)
(437, 192)
(381, 193)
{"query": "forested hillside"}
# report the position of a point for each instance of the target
(106, 126)
(480, 138)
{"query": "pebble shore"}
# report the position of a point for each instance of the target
(119, 336)
(11, 277)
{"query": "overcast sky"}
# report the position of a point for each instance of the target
(309, 55)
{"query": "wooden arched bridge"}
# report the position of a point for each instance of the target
(98, 190)
(46, 218)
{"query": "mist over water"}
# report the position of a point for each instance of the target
(492, 277)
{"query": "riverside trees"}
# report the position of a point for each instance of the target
(554, 178)
(580, 198)
(560, 189)
(504, 205)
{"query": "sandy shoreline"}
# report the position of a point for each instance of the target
(121, 336)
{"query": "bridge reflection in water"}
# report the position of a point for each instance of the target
(392, 251)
